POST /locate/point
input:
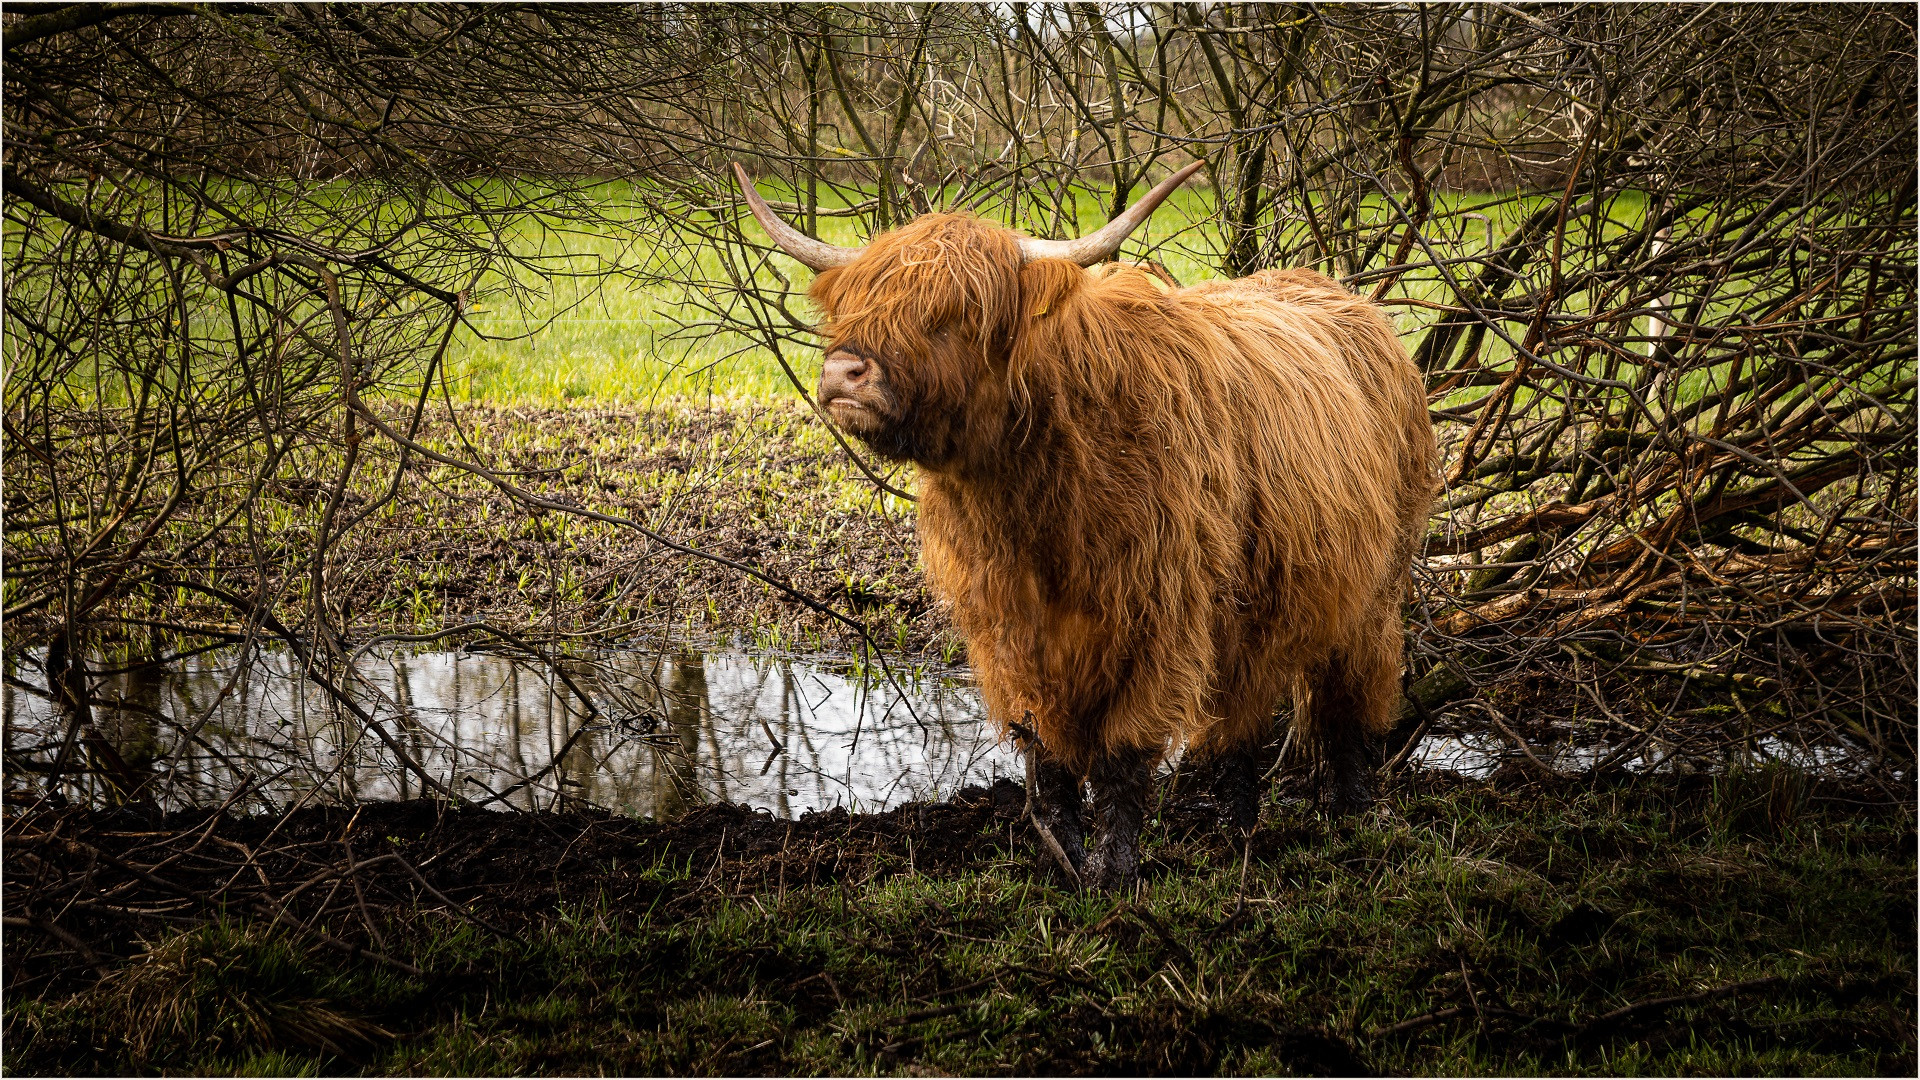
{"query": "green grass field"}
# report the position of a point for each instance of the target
(594, 302)
(590, 332)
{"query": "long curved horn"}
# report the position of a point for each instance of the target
(1102, 245)
(816, 254)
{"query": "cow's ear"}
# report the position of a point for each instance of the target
(1045, 284)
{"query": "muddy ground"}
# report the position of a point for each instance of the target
(759, 483)
(763, 485)
(1731, 925)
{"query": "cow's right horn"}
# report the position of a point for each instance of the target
(1103, 245)
(814, 253)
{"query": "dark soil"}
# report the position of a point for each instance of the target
(761, 485)
(509, 869)
(1616, 924)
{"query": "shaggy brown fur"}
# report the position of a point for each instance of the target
(1156, 512)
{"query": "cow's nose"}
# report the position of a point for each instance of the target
(846, 368)
(845, 373)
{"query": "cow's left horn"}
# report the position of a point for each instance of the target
(816, 254)
(1103, 245)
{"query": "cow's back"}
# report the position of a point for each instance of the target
(1331, 419)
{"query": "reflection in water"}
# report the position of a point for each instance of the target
(672, 731)
(1472, 755)
(663, 732)
(1477, 755)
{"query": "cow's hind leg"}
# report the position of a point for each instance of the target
(1120, 781)
(1352, 701)
(1236, 784)
(1057, 795)
(1349, 769)
(1233, 777)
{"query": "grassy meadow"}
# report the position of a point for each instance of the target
(592, 332)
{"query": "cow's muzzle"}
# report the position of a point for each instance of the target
(854, 392)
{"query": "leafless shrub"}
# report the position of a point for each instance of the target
(1657, 262)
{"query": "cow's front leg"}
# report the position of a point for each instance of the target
(1057, 795)
(1350, 766)
(1120, 781)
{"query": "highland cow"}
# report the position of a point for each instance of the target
(1156, 512)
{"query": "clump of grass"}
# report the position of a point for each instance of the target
(219, 993)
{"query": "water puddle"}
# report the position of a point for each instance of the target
(673, 730)
(639, 733)
(1478, 755)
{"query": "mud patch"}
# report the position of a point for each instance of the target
(1462, 927)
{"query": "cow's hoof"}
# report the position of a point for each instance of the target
(1239, 816)
(1066, 833)
(1350, 799)
(1111, 869)
(1047, 862)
